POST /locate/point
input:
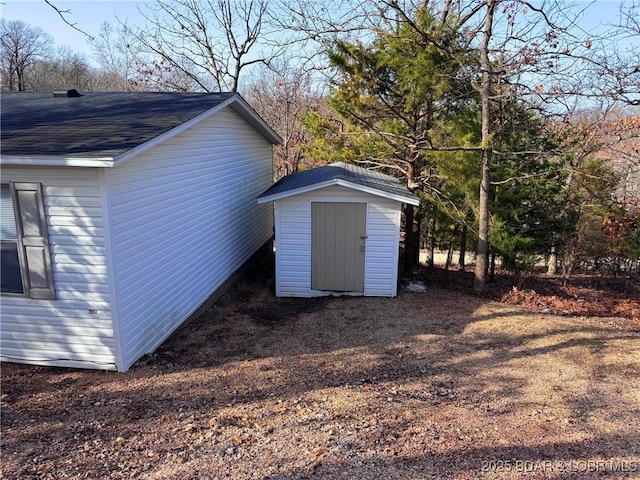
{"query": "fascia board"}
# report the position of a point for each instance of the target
(242, 108)
(342, 183)
(54, 161)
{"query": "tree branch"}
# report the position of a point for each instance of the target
(61, 13)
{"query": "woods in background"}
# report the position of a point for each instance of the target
(519, 131)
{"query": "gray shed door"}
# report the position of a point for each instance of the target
(338, 240)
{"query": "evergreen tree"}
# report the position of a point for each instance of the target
(527, 194)
(391, 97)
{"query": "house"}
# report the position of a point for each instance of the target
(337, 231)
(122, 214)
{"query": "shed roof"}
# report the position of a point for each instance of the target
(344, 174)
(102, 128)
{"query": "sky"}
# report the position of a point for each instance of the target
(89, 15)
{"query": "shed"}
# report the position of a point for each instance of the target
(122, 215)
(337, 231)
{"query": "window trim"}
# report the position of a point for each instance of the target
(34, 251)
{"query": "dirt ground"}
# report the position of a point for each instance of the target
(433, 385)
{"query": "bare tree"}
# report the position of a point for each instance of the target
(609, 62)
(282, 95)
(64, 69)
(117, 53)
(618, 140)
(64, 16)
(208, 43)
(20, 46)
(620, 67)
(308, 28)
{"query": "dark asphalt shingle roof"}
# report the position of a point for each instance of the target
(94, 124)
(340, 171)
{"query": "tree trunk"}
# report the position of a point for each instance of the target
(417, 222)
(20, 80)
(449, 255)
(568, 262)
(552, 264)
(450, 249)
(411, 228)
(492, 267)
(411, 247)
(463, 247)
(480, 280)
(431, 243)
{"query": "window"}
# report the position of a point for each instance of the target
(25, 258)
(10, 276)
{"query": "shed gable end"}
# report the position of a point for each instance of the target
(294, 255)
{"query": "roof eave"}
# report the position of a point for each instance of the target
(242, 108)
(235, 102)
(56, 161)
(409, 199)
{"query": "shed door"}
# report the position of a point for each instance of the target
(338, 239)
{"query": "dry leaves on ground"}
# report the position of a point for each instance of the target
(439, 384)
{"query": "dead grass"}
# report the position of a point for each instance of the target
(427, 385)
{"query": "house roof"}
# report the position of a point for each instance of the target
(102, 129)
(343, 174)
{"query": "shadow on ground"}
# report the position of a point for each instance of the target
(426, 385)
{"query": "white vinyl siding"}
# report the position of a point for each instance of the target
(75, 329)
(293, 247)
(183, 220)
(293, 241)
(383, 244)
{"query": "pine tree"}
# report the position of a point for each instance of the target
(391, 97)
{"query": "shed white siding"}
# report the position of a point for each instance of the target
(293, 247)
(383, 244)
(75, 330)
(293, 241)
(183, 219)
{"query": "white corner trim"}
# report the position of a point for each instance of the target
(396, 254)
(277, 219)
(121, 360)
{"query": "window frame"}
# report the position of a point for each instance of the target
(34, 252)
(18, 248)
